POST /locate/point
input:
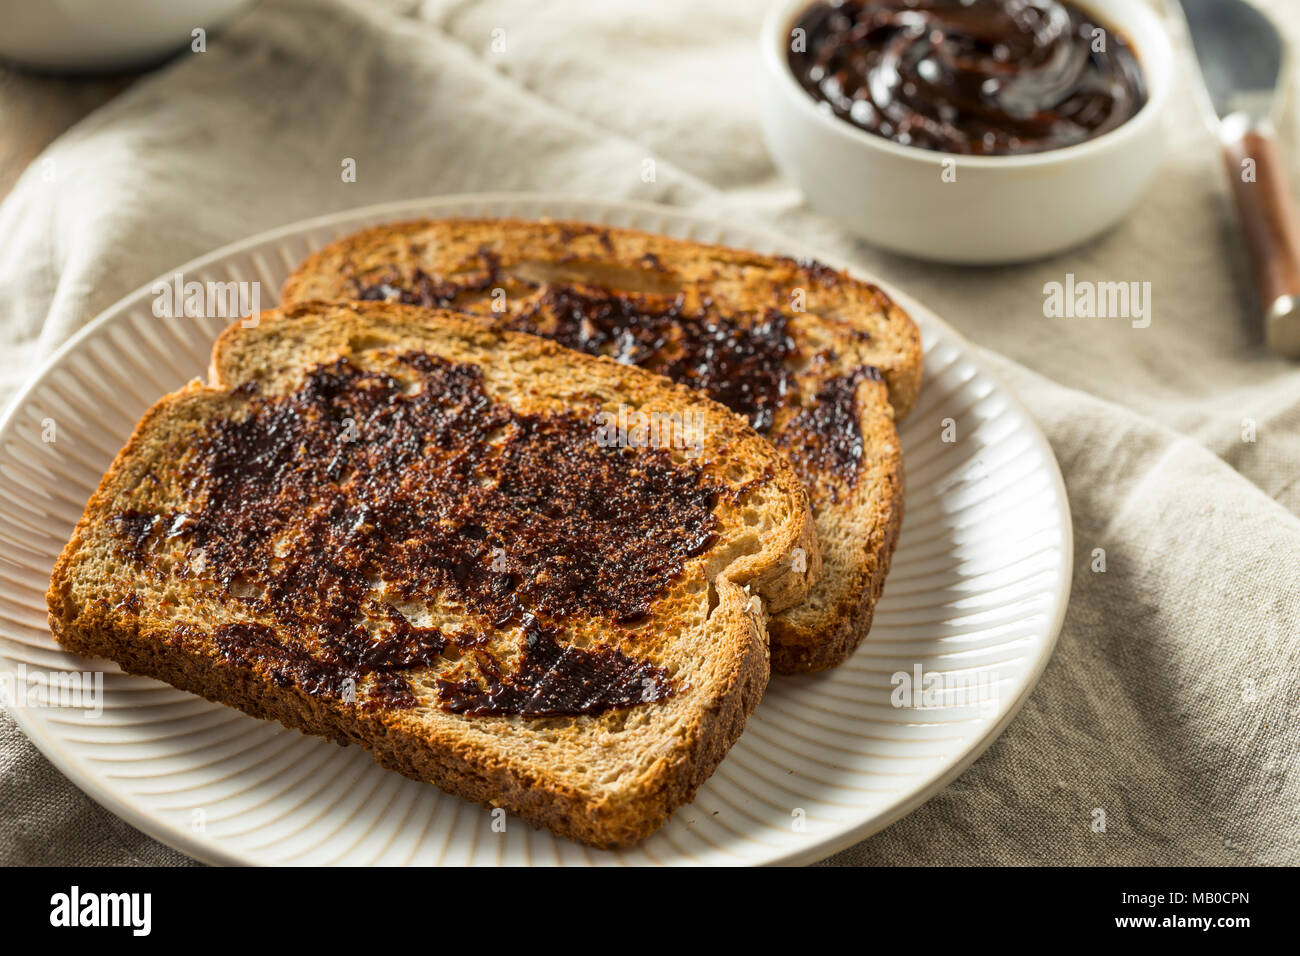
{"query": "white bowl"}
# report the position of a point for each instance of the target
(999, 208)
(92, 36)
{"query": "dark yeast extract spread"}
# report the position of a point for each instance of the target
(417, 478)
(982, 77)
(825, 438)
(745, 361)
(743, 365)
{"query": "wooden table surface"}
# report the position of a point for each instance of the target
(35, 109)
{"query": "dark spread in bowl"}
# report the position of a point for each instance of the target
(980, 77)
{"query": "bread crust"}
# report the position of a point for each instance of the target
(803, 649)
(94, 621)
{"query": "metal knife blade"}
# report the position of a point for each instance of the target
(1242, 60)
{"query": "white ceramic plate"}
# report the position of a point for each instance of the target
(975, 600)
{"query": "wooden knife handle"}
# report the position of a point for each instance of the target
(1272, 230)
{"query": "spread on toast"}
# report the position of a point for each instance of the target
(818, 362)
(418, 480)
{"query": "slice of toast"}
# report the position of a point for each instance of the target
(413, 532)
(821, 363)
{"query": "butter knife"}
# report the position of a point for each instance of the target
(1242, 63)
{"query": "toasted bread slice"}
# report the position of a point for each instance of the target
(821, 363)
(414, 532)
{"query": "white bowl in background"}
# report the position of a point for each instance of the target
(95, 36)
(999, 208)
